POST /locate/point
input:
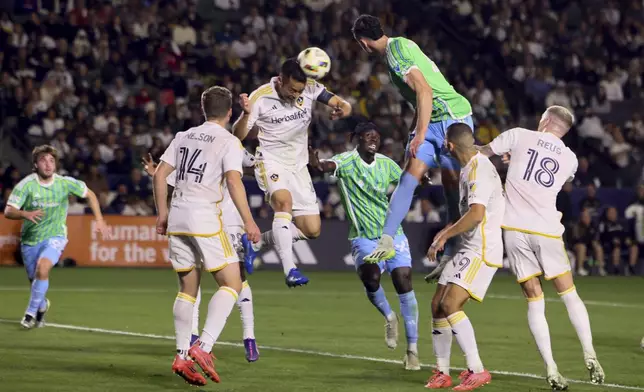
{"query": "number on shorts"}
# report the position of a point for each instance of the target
(545, 174)
(463, 263)
(188, 162)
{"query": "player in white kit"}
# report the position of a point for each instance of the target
(208, 163)
(281, 111)
(540, 164)
(234, 226)
(469, 273)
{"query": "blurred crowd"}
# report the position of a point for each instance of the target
(107, 82)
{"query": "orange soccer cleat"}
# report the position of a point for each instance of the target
(204, 360)
(186, 369)
(439, 380)
(474, 380)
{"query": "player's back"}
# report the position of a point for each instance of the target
(540, 164)
(200, 157)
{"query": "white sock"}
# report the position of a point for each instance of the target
(268, 239)
(442, 343)
(283, 240)
(195, 314)
(245, 304)
(540, 331)
(219, 309)
(579, 318)
(182, 312)
(462, 328)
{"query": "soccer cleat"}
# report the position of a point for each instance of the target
(384, 251)
(439, 380)
(40, 316)
(252, 353)
(410, 361)
(556, 381)
(295, 278)
(249, 253)
(391, 332)
(204, 360)
(597, 375)
(185, 368)
(193, 339)
(28, 322)
(473, 381)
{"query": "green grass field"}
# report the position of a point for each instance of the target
(112, 330)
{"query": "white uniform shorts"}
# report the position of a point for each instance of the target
(467, 269)
(532, 255)
(210, 253)
(272, 177)
(235, 232)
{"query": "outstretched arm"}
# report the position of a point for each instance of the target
(424, 98)
(341, 108)
(323, 166)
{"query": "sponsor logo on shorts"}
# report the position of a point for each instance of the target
(275, 177)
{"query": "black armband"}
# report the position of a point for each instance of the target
(325, 97)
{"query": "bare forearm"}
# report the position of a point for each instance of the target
(13, 213)
(240, 128)
(94, 205)
(463, 225)
(238, 195)
(160, 189)
(486, 150)
(325, 166)
(423, 110)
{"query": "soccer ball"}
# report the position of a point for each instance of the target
(314, 62)
(642, 344)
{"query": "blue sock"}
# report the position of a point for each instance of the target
(400, 203)
(379, 300)
(453, 214)
(409, 311)
(38, 292)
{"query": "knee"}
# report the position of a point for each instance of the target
(236, 285)
(448, 306)
(312, 232)
(402, 280)
(282, 204)
(371, 282)
(42, 269)
(437, 312)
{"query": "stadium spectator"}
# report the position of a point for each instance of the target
(585, 241)
(615, 239)
(591, 204)
(584, 175)
(635, 216)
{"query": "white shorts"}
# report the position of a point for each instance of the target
(272, 177)
(467, 269)
(532, 255)
(235, 232)
(211, 253)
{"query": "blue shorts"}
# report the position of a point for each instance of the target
(433, 151)
(361, 247)
(50, 249)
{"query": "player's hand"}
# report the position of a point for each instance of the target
(101, 227)
(162, 225)
(149, 165)
(336, 113)
(252, 231)
(437, 246)
(415, 144)
(244, 102)
(33, 216)
(505, 158)
(314, 159)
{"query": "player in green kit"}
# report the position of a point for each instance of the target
(437, 106)
(364, 176)
(41, 200)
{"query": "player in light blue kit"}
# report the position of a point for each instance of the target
(41, 200)
(364, 178)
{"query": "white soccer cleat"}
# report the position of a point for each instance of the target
(391, 332)
(597, 375)
(556, 381)
(410, 361)
(40, 316)
(28, 322)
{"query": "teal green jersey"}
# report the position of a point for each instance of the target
(402, 56)
(52, 199)
(363, 189)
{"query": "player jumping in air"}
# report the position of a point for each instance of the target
(364, 178)
(540, 164)
(41, 200)
(437, 106)
(208, 162)
(469, 273)
(281, 110)
(234, 226)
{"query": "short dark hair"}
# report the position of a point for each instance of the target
(364, 127)
(216, 101)
(43, 150)
(291, 69)
(367, 26)
(460, 134)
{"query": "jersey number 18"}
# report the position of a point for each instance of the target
(189, 161)
(545, 174)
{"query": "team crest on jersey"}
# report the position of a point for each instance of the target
(299, 101)
(275, 177)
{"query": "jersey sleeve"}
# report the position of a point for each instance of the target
(341, 163)
(233, 160)
(573, 171)
(317, 91)
(505, 142)
(75, 187)
(171, 179)
(255, 106)
(248, 159)
(394, 171)
(401, 57)
(170, 154)
(480, 184)
(18, 196)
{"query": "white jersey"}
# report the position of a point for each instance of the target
(480, 184)
(283, 126)
(201, 156)
(230, 214)
(540, 165)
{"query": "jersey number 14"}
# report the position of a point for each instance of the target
(545, 173)
(188, 164)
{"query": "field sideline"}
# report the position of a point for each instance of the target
(111, 330)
